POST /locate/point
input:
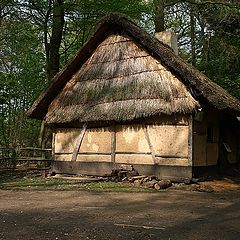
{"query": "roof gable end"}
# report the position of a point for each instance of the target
(120, 81)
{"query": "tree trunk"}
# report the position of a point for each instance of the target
(205, 43)
(193, 35)
(159, 15)
(55, 40)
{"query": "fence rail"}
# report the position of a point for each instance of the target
(28, 157)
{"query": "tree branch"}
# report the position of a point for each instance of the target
(236, 4)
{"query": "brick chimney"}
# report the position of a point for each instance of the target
(168, 38)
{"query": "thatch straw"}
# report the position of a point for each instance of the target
(118, 111)
(122, 73)
(125, 84)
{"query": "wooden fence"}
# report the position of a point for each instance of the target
(28, 158)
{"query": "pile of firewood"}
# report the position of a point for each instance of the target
(127, 173)
(151, 182)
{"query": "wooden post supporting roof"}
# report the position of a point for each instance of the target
(113, 145)
(78, 143)
(53, 145)
(190, 142)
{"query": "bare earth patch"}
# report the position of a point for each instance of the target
(225, 184)
(70, 215)
(71, 210)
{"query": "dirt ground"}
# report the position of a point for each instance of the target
(168, 214)
(223, 185)
(35, 208)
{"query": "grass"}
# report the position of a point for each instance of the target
(32, 182)
(114, 187)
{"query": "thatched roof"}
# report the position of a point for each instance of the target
(122, 73)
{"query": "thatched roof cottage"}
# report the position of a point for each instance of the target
(127, 98)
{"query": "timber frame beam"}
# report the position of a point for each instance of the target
(113, 144)
(79, 142)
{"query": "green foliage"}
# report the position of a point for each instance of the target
(25, 29)
(26, 26)
(82, 16)
(215, 42)
(21, 80)
(231, 84)
(220, 59)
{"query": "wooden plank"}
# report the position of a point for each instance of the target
(172, 161)
(30, 158)
(65, 153)
(113, 144)
(190, 142)
(43, 145)
(170, 156)
(85, 153)
(24, 169)
(32, 148)
(85, 158)
(36, 168)
(6, 158)
(149, 143)
(5, 148)
(78, 144)
(53, 145)
(125, 152)
(121, 152)
(33, 159)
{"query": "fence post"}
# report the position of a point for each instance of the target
(43, 153)
(14, 157)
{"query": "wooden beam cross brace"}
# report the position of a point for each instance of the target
(78, 143)
(150, 144)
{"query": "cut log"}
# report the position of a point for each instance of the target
(146, 179)
(124, 179)
(122, 174)
(164, 184)
(157, 186)
(126, 167)
(149, 184)
(138, 177)
(132, 173)
(150, 178)
(137, 182)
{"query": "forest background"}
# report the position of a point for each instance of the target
(38, 37)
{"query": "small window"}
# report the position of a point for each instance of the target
(210, 134)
